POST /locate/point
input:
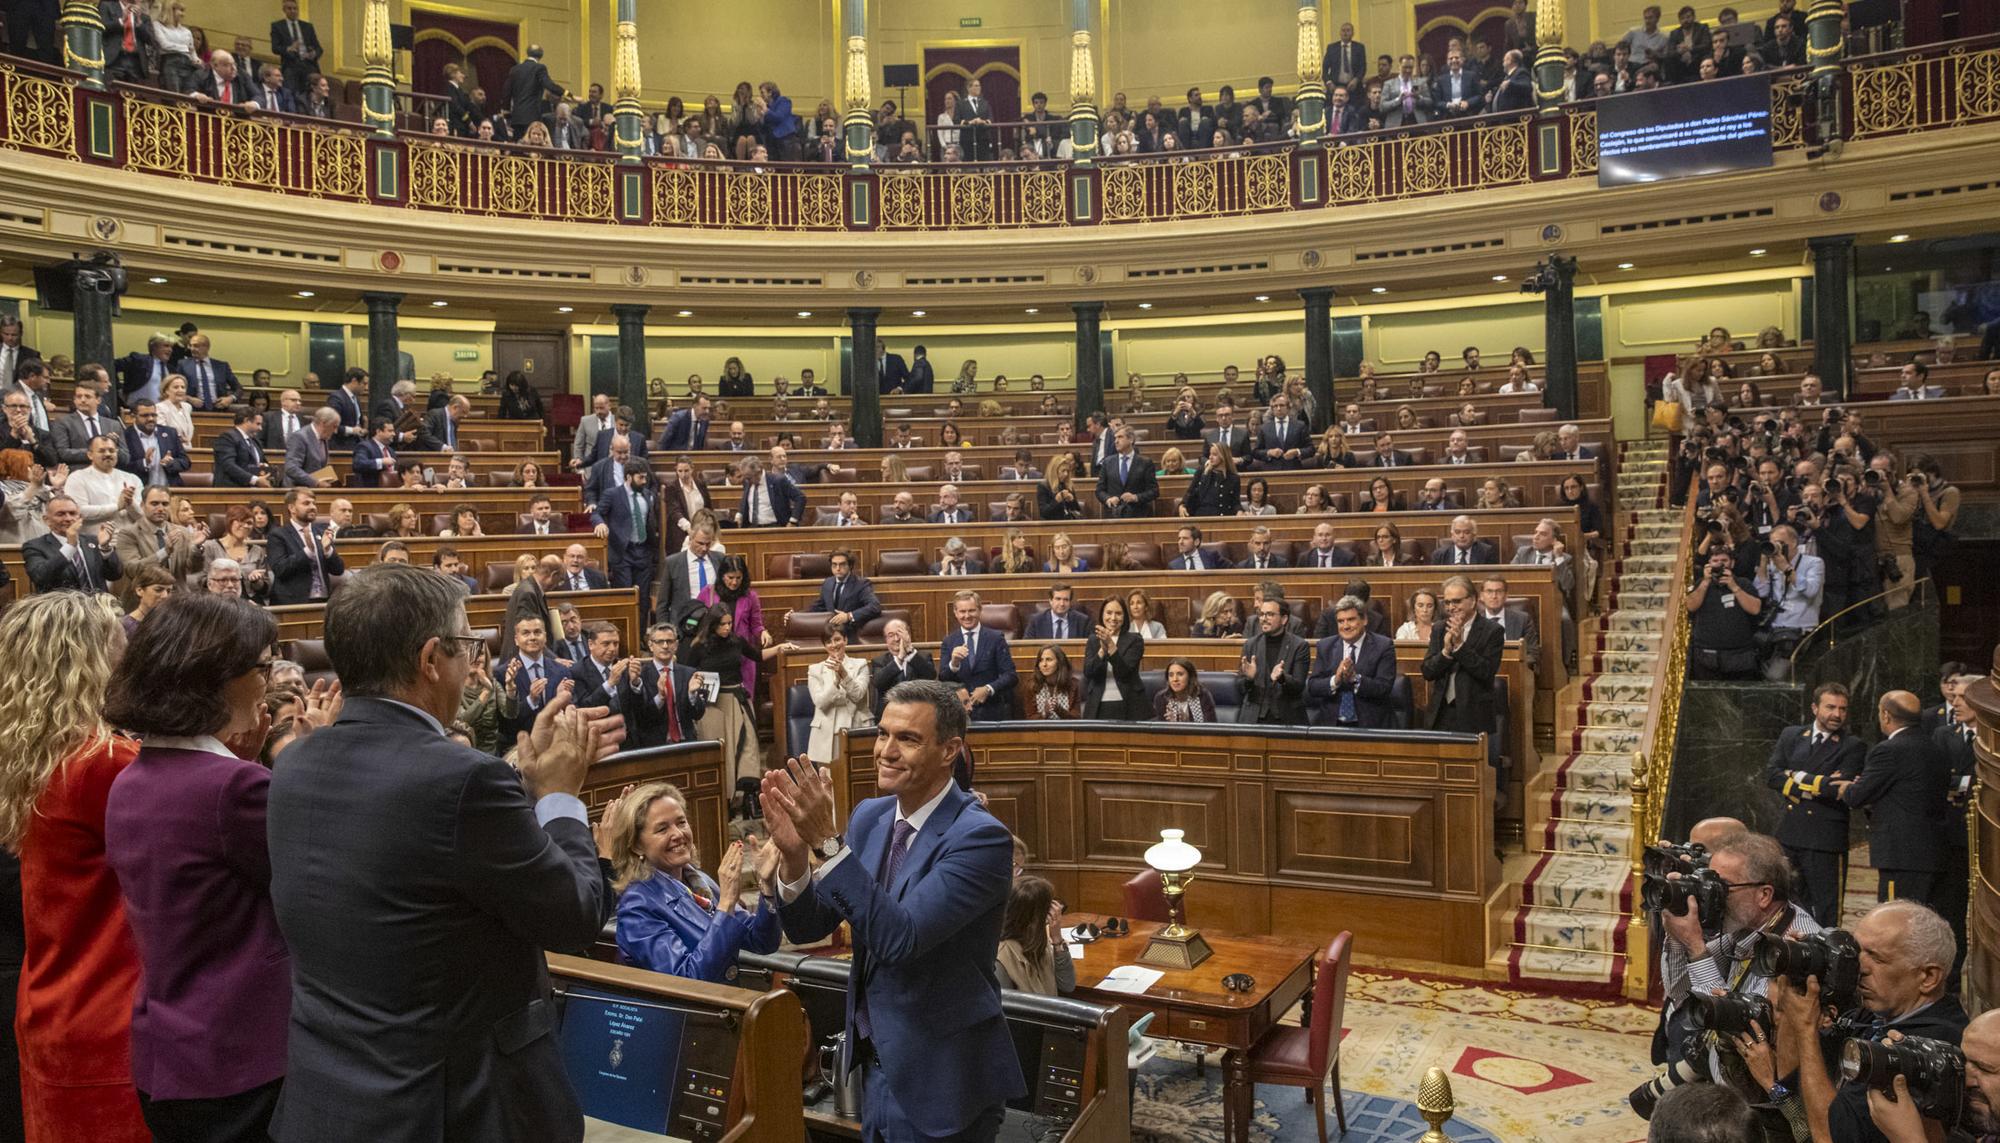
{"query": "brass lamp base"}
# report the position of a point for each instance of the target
(1176, 947)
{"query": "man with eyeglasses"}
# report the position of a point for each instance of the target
(20, 431)
(658, 696)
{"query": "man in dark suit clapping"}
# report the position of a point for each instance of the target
(1355, 670)
(1127, 483)
(975, 659)
(1904, 784)
(1460, 666)
(300, 552)
(1275, 668)
(847, 597)
(658, 697)
(297, 45)
(1807, 767)
(418, 884)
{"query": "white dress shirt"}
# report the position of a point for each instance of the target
(97, 492)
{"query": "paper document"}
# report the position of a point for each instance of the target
(1075, 951)
(1129, 978)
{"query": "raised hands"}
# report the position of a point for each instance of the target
(798, 808)
(607, 829)
(557, 753)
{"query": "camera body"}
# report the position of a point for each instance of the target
(1696, 885)
(1933, 1069)
(1831, 956)
(1729, 1016)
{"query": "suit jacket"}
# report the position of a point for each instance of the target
(1235, 438)
(269, 99)
(1342, 557)
(674, 586)
(135, 371)
(1446, 90)
(1273, 561)
(238, 460)
(593, 580)
(371, 461)
(683, 433)
(305, 454)
(1469, 674)
(989, 665)
(600, 446)
(461, 114)
(72, 438)
(924, 952)
(1074, 625)
(1520, 626)
(973, 566)
(1374, 676)
(173, 458)
(274, 437)
(1202, 558)
(353, 426)
(891, 372)
(583, 447)
(1347, 120)
(1815, 816)
(614, 511)
(1392, 102)
(674, 508)
(1904, 784)
(137, 544)
(1196, 127)
(236, 92)
(1402, 458)
(1959, 753)
(1483, 552)
(292, 566)
(524, 713)
(958, 515)
(438, 431)
(645, 714)
(1353, 54)
(523, 93)
(1297, 435)
(49, 571)
(281, 40)
(1565, 570)
(417, 894)
(788, 502)
(856, 597)
(1121, 665)
(922, 378)
(1142, 480)
(528, 601)
(604, 478)
(1283, 702)
(220, 376)
(1516, 92)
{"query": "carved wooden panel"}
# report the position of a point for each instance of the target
(1357, 837)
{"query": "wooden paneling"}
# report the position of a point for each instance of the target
(1282, 852)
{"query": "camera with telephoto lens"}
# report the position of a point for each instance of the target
(1933, 1069)
(1668, 857)
(1696, 883)
(1729, 1016)
(1832, 957)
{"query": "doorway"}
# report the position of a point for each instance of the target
(948, 68)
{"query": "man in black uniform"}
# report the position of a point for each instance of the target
(1808, 764)
(1953, 737)
(1903, 782)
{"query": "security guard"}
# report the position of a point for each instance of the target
(1810, 765)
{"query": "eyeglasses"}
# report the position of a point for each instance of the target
(468, 644)
(1733, 886)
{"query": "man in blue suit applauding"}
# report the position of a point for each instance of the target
(975, 659)
(921, 876)
(1355, 672)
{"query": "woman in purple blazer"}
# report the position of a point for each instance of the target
(184, 831)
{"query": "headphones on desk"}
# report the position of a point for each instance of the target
(1239, 982)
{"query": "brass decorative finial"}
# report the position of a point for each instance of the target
(1435, 1103)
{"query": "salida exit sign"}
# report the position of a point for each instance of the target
(969, 21)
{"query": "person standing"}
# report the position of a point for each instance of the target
(1111, 658)
(80, 967)
(1463, 658)
(1274, 668)
(418, 883)
(921, 877)
(185, 833)
(1904, 783)
(1809, 768)
(628, 521)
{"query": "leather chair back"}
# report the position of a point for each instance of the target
(798, 717)
(1330, 1001)
(1146, 897)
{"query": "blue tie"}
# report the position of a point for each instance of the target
(899, 848)
(1124, 468)
(1347, 693)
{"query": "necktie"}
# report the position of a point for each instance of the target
(131, 40)
(576, 581)
(899, 848)
(92, 422)
(41, 412)
(701, 575)
(1124, 467)
(83, 569)
(638, 518)
(534, 673)
(1464, 556)
(1326, 559)
(207, 386)
(1347, 712)
(1281, 432)
(971, 646)
(318, 572)
(1817, 739)
(161, 535)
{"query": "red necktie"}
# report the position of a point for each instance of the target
(131, 37)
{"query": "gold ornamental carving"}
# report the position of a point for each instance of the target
(40, 114)
(1309, 50)
(1979, 83)
(856, 86)
(1042, 198)
(515, 186)
(1426, 164)
(434, 178)
(1583, 143)
(676, 197)
(1787, 127)
(1194, 189)
(1885, 99)
(903, 201)
(971, 200)
(625, 63)
(1267, 182)
(589, 190)
(1503, 155)
(155, 136)
(1082, 72)
(818, 198)
(1548, 23)
(749, 200)
(249, 152)
(1352, 174)
(338, 162)
(1124, 192)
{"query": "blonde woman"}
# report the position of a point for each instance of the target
(1055, 496)
(537, 135)
(524, 567)
(839, 688)
(1016, 558)
(967, 380)
(895, 470)
(1173, 463)
(180, 67)
(1139, 606)
(176, 411)
(1062, 556)
(80, 964)
(1219, 618)
(672, 917)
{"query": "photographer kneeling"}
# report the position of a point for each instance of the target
(1744, 893)
(1723, 642)
(1906, 956)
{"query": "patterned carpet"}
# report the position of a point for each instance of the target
(1526, 1067)
(1569, 926)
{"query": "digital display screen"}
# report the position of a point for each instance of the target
(644, 1066)
(1684, 131)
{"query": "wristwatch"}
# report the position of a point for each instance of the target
(1779, 1093)
(831, 847)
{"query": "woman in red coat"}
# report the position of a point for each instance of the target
(81, 968)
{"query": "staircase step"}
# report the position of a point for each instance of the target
(1614, 714)
(1580, 882)
(1569, 929)
(1606, 839)
(1640, 619)
(1611, 773)
(1594, 807)
(1606, 739)
(1576, 972)
(1619, 662)
(1620, 687)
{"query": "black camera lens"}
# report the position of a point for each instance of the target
(1933, 1070)
(1729, 1015)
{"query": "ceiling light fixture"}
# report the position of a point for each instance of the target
(916, 313)
(1263, 297)
(805, 313)
(157, 281)
(685, 313)
(1033, 310)
(1499, 277)
(305, 293)
(1899, 238)
(1145, 305)
(1624, 265)
(440, 304)
(1759, 252)
(1380, 290)
(565, 309)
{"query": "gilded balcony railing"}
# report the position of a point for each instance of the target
(48, 111)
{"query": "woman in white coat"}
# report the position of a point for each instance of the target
(839, 688)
